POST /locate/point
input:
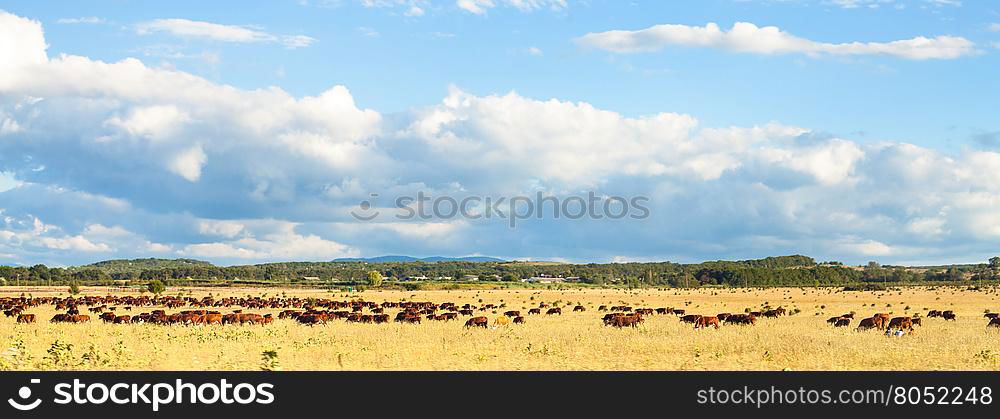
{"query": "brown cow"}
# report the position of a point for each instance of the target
(744, 319)
(707, 321)
(901, 323)
(478, 322)
(869, 323)
(842, 322)
(512, 313)
(691, 318)
(26, 318)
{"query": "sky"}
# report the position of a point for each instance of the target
(849, 130)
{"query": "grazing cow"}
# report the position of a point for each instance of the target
(842, 322)
(948, 315)
(579, 308)
(478, 322)
(744, 319)
(833, 320)
(994, 322)
(663, 310)
(679, 312)
(466, 312)
(722, 316)
(916, 321)
(901, 323)
(25, 318)
(512, 313)
(866, 324)
(623, 320)
(691, 318)
(501, 321)
(555, 310)
(934, 313)
(122, 319)
(707, 321)
(535, 311)
(519, 320)
(602, 308)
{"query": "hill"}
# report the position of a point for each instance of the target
(409, 259)
(139, 265)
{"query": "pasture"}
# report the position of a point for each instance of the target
(799, 340)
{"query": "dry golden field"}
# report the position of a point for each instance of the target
(573, 341)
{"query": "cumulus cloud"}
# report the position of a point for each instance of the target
(123, 160)
(748, 38)
(191, 29)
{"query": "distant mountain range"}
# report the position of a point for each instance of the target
(404, 259)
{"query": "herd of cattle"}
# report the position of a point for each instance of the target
(311, 311)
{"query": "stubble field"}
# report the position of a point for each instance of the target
(571, 341)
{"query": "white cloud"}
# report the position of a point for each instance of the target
(188, 163)
(88, 20)
(748, 38)
(994, 27)
(480, 7)
(281, 243)
(185, 28)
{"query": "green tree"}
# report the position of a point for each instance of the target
(375, 278)
(156, 287)
(74, 288)
(511, 277)
(995, 262)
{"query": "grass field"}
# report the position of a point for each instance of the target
(573, 341)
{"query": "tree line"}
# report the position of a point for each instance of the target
(793, 270)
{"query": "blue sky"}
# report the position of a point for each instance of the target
(843, 129)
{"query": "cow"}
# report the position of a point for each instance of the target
(994, 322)
(501, 321)
(25, 318)
(519, 320)
(122, 319)
(691, 318)
(707, 321)
(512, 313)
(916, 321)
(535, 311)
(842, 322)
(579, 308)
(868, 323)
(722, 316)
(555, 310)
(948, 315)
(744, 319)
(623, 320)
(991, 316)
(478, 322)
(901, 323)
(934, 313)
